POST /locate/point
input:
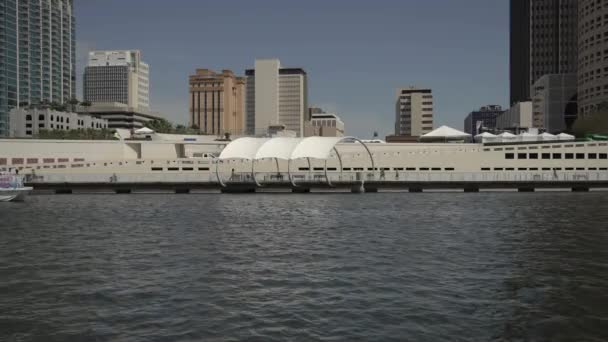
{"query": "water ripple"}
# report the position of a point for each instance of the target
(340, 267)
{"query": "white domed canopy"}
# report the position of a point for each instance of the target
(280, 148)
(242, 148)
(315, 147)
(285, 148)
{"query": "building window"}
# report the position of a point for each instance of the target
(569, 155)
(546, 155)
(557, 156)
(522, 156)
(580, 156)
(592, 156)
(533, 155)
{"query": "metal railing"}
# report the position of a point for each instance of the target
(320, 177)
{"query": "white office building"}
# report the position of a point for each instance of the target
(117, 76)
(516, 118)
(275, 97)
(27, 123)
(324, 125)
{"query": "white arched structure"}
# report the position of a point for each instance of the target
(320, 148)
(277, 148)
(286, 149)
(242, 148)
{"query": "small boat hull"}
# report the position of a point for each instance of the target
(14, 195)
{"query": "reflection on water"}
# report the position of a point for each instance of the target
(393, 266)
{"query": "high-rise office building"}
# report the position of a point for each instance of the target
(482, 120)
(117, 76)
(37, 54)
(276, 96)
(593, 54)
(543, 40)
(414, 111)
(554, 103)
(519, 50)
(217, 102)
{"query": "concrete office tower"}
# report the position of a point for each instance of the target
(516, 118)
(543, 40)
(324, 125)
(554, 103)
(414, 111)
(593, 54)
(482, 120)
(217, 102)
(37, 54)
(276, 96)
(117, 76)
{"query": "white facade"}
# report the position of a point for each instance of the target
(26, 123)
(326, 124)
(519, 116)
(117, 76)
(120, 115)
(276, 96)
(267, 92)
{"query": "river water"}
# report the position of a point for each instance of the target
(276, 267)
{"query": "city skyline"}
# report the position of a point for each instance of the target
(356, 77)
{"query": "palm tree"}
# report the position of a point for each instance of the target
(86, 104)
(73, 102)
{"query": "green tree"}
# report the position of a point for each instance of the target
(160, 126)
(181, 129)
(73, 102)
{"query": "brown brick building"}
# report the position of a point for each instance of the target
(217, 102)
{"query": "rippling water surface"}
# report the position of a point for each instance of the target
(272, 267)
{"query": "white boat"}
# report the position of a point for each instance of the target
(12, 188)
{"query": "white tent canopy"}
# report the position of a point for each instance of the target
(486, 137)
(525, 136)
(506, 136)
(286, 148)
(315, 147)
(565, 136)
(279, 147)
(143, 130)
(547, 136)
(446, 132)
(242, 148)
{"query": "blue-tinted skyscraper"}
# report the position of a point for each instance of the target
(37, 54)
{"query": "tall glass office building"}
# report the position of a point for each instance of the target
(37, 54)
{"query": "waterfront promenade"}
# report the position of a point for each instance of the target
(319, 181)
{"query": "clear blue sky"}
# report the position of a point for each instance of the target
(356, 52)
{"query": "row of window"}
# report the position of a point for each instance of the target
(557, 156)
(545, 147)
(545, 169)
(379, 169)
(178, 169)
